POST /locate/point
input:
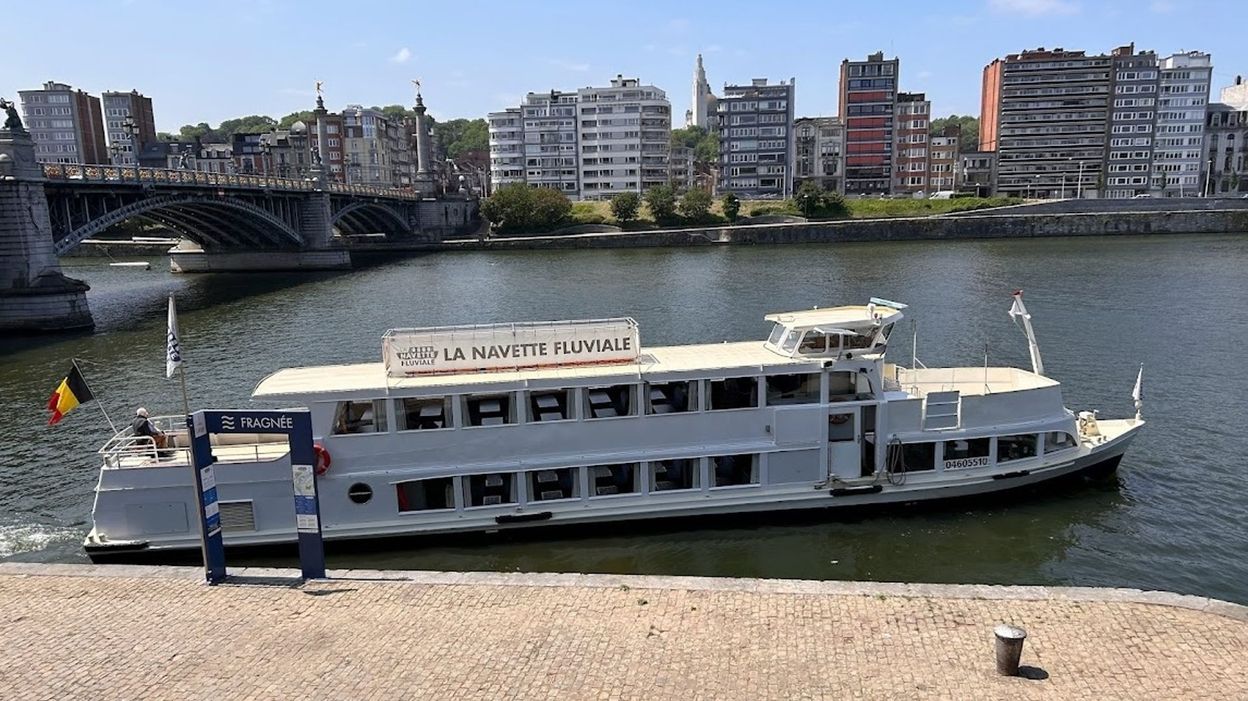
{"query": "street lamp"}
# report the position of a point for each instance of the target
(267, 150)
(132, 133)
(550, 111)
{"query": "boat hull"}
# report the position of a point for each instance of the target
(847, 501)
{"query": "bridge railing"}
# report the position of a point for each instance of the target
(194, 178)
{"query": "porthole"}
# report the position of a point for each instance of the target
(360, 493)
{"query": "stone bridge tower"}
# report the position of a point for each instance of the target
(34, 295)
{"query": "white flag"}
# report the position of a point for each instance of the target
(1138, 393)
(173, 349)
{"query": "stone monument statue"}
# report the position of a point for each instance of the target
(12, 120)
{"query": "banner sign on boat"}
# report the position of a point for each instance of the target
(409, 352)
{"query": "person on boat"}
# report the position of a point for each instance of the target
(143, 426)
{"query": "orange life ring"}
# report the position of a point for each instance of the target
(322, 459)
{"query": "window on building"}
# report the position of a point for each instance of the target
(360, 417)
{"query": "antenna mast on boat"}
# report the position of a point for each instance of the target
(1019, 311)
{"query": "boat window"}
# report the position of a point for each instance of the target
(606, 480)
(734, 393)
(489, 409)
(608, 402)
(671, 475)
(1017, 447)
(1058, 440)
(790, 341)
(551, 485)
(734, 470)
(423, 414)
(426, 495)
(970, 452)
(814, 343)
(551, 405)
(856, 341)
(840, 427)
(777, 333)
(886, 332)
(917, 457)
(842, 386)
(671, 397)
(360, 417)
(489, 490)
(793, 389)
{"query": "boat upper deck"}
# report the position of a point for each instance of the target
(669, 361)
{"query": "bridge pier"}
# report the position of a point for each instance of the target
(35, 297)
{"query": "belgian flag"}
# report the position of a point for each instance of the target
(72, 391)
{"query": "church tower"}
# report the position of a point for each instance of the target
(702, 106)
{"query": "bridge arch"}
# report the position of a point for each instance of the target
(362, 217)
(217, 222)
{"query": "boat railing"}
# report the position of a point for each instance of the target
(126, 450)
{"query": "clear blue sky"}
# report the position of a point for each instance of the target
(212, 61)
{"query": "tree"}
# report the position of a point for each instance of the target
(251, 124)
(304, 116)
(199, 131)
(625, 205)
(510, 208)
(732, 206)
(695, 204)
(705, 144)
(661, 199)
(968, 140)
(808, 198)
(457, 137)
(165, 136)
(550, 208)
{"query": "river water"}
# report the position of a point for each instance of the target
(1175, 518)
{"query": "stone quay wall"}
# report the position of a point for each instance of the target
(966, 226)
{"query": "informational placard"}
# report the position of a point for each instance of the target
(410, 352)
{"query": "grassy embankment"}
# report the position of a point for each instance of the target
(600, 212)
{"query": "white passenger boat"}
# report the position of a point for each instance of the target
(483, 428)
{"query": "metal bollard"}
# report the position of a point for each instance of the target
(1009, 649)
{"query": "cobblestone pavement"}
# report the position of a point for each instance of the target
(131, 634)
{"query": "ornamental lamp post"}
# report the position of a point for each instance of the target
(1079, 184)
(132, 133)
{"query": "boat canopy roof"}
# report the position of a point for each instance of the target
(669, 362)
(849, 317)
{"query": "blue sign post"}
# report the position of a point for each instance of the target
(297, 425)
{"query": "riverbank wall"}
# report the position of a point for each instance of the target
(964, 226)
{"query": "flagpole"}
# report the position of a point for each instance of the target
(173, 354)
(186, 403)
(98, 402)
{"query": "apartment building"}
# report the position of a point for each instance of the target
(1045, 112)
(332, 153)
(1132, 118)
(868, 100)
(289, 151)
(1235, 96)
(1227, 137)
(624, 136)
(756, 139)
(376, 149)
(66, 125)
(912, 120)
(817, 150)
(977, 172)
(124, 146)
(681, 169)
(506, 147)
(943, 165)
(1183, 99)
